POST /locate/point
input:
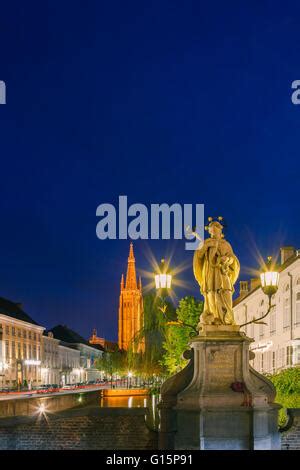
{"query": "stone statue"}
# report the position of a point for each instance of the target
(216, 269)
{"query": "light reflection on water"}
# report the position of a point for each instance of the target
(139, 401)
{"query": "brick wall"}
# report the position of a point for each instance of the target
(85, 428)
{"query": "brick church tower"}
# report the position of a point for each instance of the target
(130, 308)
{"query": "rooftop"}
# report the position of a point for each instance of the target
(65, 334)
(14, 310)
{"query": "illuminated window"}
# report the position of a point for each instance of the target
(13, 350)
(273, 361)
(289, 355)
(7, 350)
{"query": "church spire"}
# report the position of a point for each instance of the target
(122, 282)
(131, 274)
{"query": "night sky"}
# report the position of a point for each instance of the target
(162, 101)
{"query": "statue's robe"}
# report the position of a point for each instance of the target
(212, 277)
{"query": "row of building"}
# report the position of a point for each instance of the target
(30, 354)
(276, 343)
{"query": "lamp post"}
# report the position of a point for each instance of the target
(269, 281)
(163, 283)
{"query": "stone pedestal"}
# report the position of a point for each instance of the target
(218, 401)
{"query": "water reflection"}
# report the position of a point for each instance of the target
(139, 401)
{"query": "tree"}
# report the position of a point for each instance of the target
(287, 384)
(112, 363)
(153, 335)
(178, 335)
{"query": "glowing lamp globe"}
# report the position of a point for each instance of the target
(163, 280)
(269, 280)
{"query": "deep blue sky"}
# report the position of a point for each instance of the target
(164, 101)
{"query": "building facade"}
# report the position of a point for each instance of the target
(21, 347)
(70, 370)
(130, 308)
(277, 343)
(78, 357)
(50, 360)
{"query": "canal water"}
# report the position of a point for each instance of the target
(136, 401)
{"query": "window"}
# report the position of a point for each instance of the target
(298, 355)
(19, 333)
(13, 349)
(13, 331)
(7, 350)
(24, 351)
(289, 355)
(19, 350)
(262, 362)
(24, 334)
(273, 361)
(7, 329)
(34, 336)
(34, 351)
(286, 313)
(273, 322)
(29, 351)
(297, 316)
(29, 334)
(298, 282)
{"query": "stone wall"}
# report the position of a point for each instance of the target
(85, 428)
(290, 439)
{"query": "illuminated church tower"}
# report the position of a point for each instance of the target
(130, 308)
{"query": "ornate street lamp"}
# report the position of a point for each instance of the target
(163, 283)
(269, 280)
(163, 279)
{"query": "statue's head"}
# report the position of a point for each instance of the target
(215, 227)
